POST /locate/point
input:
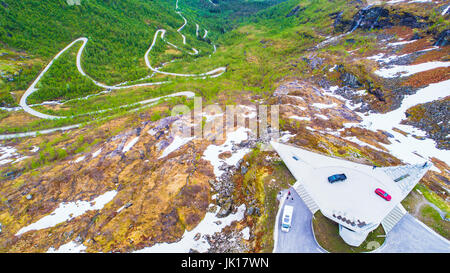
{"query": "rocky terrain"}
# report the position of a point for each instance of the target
(432, 117)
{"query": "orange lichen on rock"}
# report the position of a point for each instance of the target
(417, 45)
(402, 32)
(427, 77)
(441, 54)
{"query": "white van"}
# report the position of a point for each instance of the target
(287, 218)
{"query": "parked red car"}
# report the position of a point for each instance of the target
(383, 194)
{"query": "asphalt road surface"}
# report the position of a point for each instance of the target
(300, 238)
(412, 236)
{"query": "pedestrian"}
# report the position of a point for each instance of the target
(292, 198)
(289, 193)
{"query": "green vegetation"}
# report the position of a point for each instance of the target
(259, 51)
(327, 235)
(111, 107)
(434, 198)
(119, 31)
(262, 182)
(17, 70)
(433, 219)
(63, 81)
(423, 207)
(275, 42)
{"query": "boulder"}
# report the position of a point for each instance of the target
(225, 210)
(250, 211)
(443, 38)
(348, 79)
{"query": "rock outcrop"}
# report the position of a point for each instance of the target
(443, 38)
(378, 18)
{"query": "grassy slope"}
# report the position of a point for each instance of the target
(119, 33)
(257, 53)
(62, 80)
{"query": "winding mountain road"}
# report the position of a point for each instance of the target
(145, 103)
(159, 33)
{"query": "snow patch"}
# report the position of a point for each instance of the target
(94, 155)
(9, 154)
(130, 145)
(70, 247)
(401, 43)
(324, 106)
(285, 137)
(212, 152)
(408, 148)
(321, 116)
(176, 143)
(121, 208)
(408, 70)
(81, 158)
(300, 118)
(246, 233)
(68, 211)
(445, 10)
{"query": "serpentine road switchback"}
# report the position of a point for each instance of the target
(159, 33)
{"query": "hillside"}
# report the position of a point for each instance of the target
(93, 160)
(119, 33)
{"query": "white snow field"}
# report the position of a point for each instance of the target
(407, 148)
(408, 70)
(130, 145)
(9, 154)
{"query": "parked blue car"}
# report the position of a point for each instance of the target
(337, 178)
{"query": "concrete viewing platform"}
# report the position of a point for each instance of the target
(351, 203)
